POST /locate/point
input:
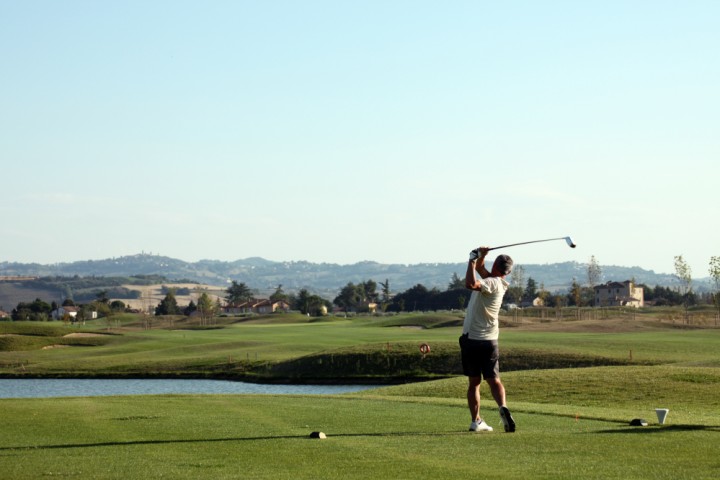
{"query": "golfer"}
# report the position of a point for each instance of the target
(479, 340)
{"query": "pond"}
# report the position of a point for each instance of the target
(56, 387)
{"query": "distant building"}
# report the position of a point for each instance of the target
(72, 312)
(536, 302)
(60, 312)
(4, 314)
(255, 305)
(619, 294)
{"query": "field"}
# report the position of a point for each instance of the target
(572, 422)
(152, 295)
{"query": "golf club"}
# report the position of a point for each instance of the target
(568, 240)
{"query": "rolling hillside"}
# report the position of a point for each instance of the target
(264, 276)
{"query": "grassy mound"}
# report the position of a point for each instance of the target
(24, 336)
(399, 361)
(35, 329)
(22, 342)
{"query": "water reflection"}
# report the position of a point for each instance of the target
(52, 387)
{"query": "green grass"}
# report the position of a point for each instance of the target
(256, 345)
(410, 431)
(572, 422)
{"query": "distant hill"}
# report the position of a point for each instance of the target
(325, 279)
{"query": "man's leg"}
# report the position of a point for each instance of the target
(473, 397)
(498, 392)
(497, 389)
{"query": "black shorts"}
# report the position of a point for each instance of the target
(480, 357)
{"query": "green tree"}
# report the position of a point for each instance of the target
(190, 309)
(168, 305)
(350, 297)
(205, 308)
(530, 290)
(102, 296)
(462, 300)
(37, 310)
(309, 304)
(102, 309)
(301, 301)
(456, 282)
(85, 312)
(368, 291)
(279, 295)
(417, 298)
(385, 290)
(237, 294)
(22, 312)
(117, 306)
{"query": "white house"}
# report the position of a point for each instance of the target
(60, 312)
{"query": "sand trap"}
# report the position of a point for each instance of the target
(84, 335)
(54, 346)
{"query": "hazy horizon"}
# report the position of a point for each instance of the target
(490, 258)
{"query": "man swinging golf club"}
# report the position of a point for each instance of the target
(479, 340)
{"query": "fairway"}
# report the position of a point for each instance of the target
(368, 437)
(572, 422)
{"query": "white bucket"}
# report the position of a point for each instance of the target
(661, 414)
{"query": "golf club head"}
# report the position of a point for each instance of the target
(570, 242)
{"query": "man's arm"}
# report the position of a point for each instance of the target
(481, 262)
(476, 264)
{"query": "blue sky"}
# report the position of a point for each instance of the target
(391, 131)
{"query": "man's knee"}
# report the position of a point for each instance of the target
(493, 381)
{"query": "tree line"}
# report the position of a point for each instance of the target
(370, 296)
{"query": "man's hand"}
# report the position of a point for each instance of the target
(480, 252)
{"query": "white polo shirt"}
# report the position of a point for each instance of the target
(481, 317)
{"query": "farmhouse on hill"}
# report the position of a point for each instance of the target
(619, 294)
(71, 312)
(60, 312)
(260, 306)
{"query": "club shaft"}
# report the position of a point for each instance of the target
(525, 243)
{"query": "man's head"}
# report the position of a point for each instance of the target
(503, 265)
